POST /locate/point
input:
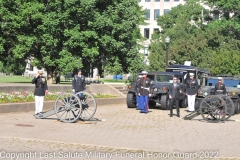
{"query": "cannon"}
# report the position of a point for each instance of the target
(71, 107)
(214, 108)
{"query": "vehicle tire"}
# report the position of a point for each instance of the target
(152, 103)
(197, 105)
(131, 100)
(183, 103)
(237, 106)
(165, 102)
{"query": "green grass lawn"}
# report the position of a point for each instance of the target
(20, 79)
(15, 79)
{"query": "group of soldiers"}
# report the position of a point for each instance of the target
(144, 91)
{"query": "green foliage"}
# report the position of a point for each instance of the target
(67, 35)
(214, 46)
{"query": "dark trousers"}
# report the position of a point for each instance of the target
(143, 102)
(171, 105)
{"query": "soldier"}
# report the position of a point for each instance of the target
(220, 87)
(137, 92)
(78, 83)
(174, 91)
(144, 91)
(191, 91)
(41, 89)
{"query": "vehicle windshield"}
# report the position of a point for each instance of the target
(151, 76)
(164, 78)
(227, 82)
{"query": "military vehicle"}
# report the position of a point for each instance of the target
(161, 82)
(163, 78)
(185, 70)
(232, 86)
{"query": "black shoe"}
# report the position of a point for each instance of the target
(170, 115)
(178, 115)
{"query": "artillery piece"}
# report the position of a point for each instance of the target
(71, 107)
(214, 108)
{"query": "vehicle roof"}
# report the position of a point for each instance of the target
(224, 78)
(164, 73)
(185, 67)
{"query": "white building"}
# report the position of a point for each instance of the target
(155, 8)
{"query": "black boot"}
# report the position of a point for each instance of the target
(170, 113)
(178, 114)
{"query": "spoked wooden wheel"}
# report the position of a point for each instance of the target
(213, 108)
(68, 107)
(89, 105)
(230, 108)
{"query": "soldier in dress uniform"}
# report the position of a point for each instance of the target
(191, 91)
(137, 92)
(41, 89)
(78, 83)
(220, 87)
(174, 91)
(145, 90)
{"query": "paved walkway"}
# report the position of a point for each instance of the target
(118, 133)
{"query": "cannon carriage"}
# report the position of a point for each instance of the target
(70, 107)
(214, 108)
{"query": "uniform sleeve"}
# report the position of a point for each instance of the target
(34, 80)
(45, 85)
(151, 87)
(170, 90)
(196, 90)
(73, 82)
(224, 89)
(84, 84)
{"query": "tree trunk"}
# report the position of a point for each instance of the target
(49, 76)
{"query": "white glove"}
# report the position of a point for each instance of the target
(73, 90)
(138, 94)
(150, 95)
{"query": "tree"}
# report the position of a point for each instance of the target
(183, 25)
(65, 35)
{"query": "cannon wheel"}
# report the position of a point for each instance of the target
(68, 107)
(214, 108)
(89, 105)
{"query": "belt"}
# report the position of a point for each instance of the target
(38, 87)
(145, 88)
(220, 90)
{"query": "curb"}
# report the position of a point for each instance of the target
(30, 106)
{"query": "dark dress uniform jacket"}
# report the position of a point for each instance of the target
(220, 88)
(191, 86)
(40, 85)
(78, 83)
(145, 86)
(174, 91)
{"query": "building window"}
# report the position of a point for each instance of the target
(166, 0)
(147, 0)
(156, 13)
(215, 14)
(156, 30)
(31, 68)
(176, 0)
(146, 51)
(146, 33)
(166, 11)
(139, 0)
(157, 0)
(148, 14)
